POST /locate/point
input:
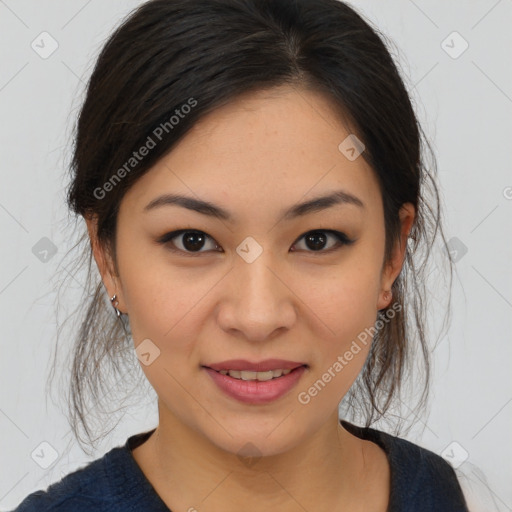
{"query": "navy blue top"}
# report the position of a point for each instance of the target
(421, 481)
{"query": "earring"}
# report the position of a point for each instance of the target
(388, 294)
(115, 303)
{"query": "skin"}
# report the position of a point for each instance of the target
(254, 157)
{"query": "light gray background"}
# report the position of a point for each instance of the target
(465, 104)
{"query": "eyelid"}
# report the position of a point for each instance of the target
(342, 240)
(168, 237)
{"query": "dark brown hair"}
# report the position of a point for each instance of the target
(168, 52)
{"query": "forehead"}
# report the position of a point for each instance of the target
(273, 147)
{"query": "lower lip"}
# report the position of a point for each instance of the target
(253, 391)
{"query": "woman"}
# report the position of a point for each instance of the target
(251, 177)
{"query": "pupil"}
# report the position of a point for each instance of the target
(315, 236)
(193, 241)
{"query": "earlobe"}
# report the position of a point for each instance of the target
(385, 298)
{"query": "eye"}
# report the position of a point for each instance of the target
(190, 241)
(316, 240)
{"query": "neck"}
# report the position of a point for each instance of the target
(329, 463)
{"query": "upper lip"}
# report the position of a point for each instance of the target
(261, 366)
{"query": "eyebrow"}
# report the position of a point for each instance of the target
(338, 197)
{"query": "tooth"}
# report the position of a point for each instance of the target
(261, 376)
(244, 375)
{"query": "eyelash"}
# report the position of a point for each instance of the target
(342, 240)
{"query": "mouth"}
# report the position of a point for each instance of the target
(256, 383)
(258, 376)
(261, 371)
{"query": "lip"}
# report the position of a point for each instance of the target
(261, 366)
(253, 391)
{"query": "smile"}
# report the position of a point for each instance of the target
(253, 387)
(260, 376)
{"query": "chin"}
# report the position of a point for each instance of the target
(247, 441)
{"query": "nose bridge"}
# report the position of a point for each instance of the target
(255, 270)
(260, 302)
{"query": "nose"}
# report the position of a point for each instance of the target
(258, 302)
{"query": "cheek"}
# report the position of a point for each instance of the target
(340, 350)
(166, 309)
(159, 295)
(341, 306)
(350, 318)
(341, 299)
(173, 309)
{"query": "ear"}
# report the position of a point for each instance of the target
(391, 271)
(104, 262)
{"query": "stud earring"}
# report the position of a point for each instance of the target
(115, 303)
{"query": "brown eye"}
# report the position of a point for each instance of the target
(192, 242)
(316, 241)
(188, 241)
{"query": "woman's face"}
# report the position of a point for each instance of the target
(252, 285)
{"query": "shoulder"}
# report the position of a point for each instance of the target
(420, 469)
(87, 488)
(420, 479)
